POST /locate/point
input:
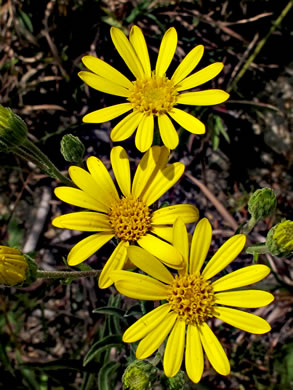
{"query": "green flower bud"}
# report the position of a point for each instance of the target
(175, 383)
(72, 148)
(16, 268)
(139, 375)
(13, 130)
(262, 203)
(280, 239)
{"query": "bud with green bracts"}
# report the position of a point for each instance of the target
(16, 269)
(262, 203)
(175, 383)
(280, 239)
(13, 130)
(72, 148)
(139, 375)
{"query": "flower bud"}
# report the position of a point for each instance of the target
(175, 383)
(262, 203)
(13, 130)
(280, 239)
(139, 375)
(72, 148)
(15, 267)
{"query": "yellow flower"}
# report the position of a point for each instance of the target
(13, 266)
(152, 94)
(127, 217)
(192, 299)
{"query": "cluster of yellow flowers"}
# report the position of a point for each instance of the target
(156, 241)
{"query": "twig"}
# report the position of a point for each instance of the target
(218, 205)
(39, 222)
(261, 43)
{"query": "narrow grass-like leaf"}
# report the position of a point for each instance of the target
(107, 375)
(106, 343)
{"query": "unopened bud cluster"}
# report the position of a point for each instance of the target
(262, 203)
(13, 130)
(280, 239)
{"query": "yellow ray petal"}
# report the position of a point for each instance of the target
(152, 161)
(176, 341)
(167, 215)
(79, 198)
(127, 52)
(115, 262)
(242, 277)
(86, 182)
(214, 350)
(103, 85)
(180, 242)
(167, 51)
(245, 298)
(203, 98)
(146, 323)
(200, 77)
(242, 320)
(149, 264)
(162, 182)
(138, 42)
(194, 362)
(155, 337)
(139, 286)
(87, 247)
(108, 113)
(165, 232)
(85, 221)
(168, 132)
(103, 180)
(200, 245)
(106, 71)
(187, 65)
(162, 250)
(145, 133)
(126, 127)
(121, 169)
(187, 121)
(224, 255)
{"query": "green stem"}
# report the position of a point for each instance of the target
(260, 248)
(249, 225)
(66, 274)
(260, 45)
(34, 154)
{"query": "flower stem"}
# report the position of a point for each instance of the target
(249, 225)
(66, 274)
(31, 152)
(259, 249)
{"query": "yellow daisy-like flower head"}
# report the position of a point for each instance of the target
(128, 216)
(13, 266)
(192, 299)
(152, 94)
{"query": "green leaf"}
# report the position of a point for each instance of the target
(107, 375)
(113, 311)
(100, 346)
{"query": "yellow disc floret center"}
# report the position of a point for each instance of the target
(192, 298)
(154, 96)
(130, 218)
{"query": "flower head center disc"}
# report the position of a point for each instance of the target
(192, 298)
(153, 96)
(130, 218)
